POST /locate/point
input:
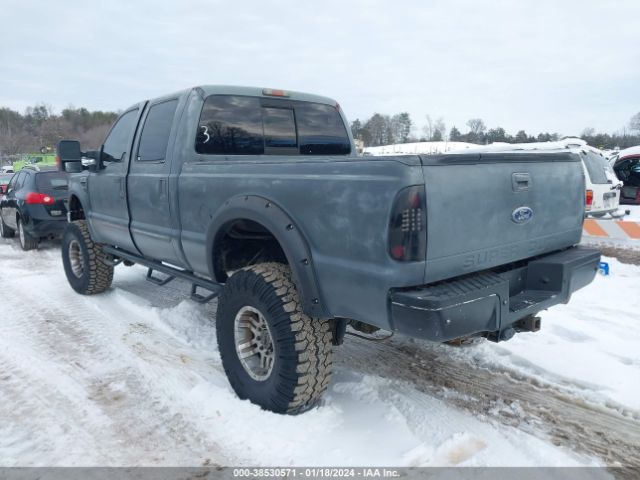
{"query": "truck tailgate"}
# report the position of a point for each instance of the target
(498, 208)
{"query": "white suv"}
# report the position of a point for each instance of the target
(602, 194)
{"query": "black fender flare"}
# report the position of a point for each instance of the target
(290, 237)
(78, 189)
(82, 198)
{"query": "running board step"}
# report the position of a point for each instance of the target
(171, 272)
(196, 297)
(156, 280)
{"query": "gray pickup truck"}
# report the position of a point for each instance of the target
(257, 197)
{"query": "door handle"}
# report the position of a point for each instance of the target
(161, 186)
(121, 181)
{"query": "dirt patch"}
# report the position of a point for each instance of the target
(504, 396)
(623, 254)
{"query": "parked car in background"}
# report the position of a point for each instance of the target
(8, 169)
(626, 165)
(34, 206)
(4, 181)
(602, 187)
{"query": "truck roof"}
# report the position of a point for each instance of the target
(255, 92)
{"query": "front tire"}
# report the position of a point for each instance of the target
(5, 230)
(27, 242)
(273, 353)
(86, 265)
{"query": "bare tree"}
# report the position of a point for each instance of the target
(476, 126)
(634, 123)
(428, 128)
(13, 140)
(439, 130)
(93, 138)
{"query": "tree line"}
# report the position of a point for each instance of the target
(385, 130)
(39, 128)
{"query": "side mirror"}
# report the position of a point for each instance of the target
(69, 156)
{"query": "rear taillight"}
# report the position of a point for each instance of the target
(589, 199)
(33, 198)
(408, 225)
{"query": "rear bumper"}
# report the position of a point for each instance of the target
(46, 228)
(491, 302)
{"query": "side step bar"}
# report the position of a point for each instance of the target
(172, 273)
(156, 280)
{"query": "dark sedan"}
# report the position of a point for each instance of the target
(34, 206)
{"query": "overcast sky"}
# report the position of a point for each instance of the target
(557, 66)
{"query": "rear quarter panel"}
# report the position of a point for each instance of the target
(340, 205)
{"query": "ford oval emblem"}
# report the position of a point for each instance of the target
(522, 215)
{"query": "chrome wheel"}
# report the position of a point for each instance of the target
(75, 258)
(254, 343)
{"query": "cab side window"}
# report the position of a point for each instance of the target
(156, 130)
(118, 141)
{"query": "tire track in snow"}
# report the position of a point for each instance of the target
(74, 369)
(502, 395)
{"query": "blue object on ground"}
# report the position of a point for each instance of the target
(603, 268)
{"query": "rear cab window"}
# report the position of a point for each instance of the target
(243, 125)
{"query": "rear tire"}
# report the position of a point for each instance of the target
(86, 265)
(27, 242)
(259, 315)
(5, 230)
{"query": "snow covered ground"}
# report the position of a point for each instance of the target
(133, 377)
(634, 215)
